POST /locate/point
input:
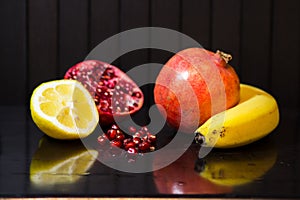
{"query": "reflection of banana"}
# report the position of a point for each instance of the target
(60, 162)
(254, 117)
(237, 167)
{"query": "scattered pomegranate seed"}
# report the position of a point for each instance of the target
(115, 127)
(144, 129)
(144, 146)
(111, 134)
(152, 148)
(116, 143)
(102, 140)
(137, 140)
(132, 129)
(152, 138)
(132, 150)
(129, 145)
(120, 136)
(137, 134)
(127, 140)
(141, 142)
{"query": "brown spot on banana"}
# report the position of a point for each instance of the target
(222, 132)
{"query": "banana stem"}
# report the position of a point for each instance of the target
(227, 57)
(199, 138)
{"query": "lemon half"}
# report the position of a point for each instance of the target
(64, 109)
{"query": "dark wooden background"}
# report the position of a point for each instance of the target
(41, 39)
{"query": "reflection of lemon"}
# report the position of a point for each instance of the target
(238, 167)
(64, 109)
(57, 162)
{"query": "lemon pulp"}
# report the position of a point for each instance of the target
(64, 109)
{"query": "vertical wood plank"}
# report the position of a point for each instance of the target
(286, 53)
(226, 28)
(13, 51)
(104, 20)
(42, 41)
(73, 33)
(165, 14)
(255, 44)
(196, 20)
(134, 14)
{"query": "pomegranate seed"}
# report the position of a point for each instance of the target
(111, 134)
(137, 140)
(144, 146)
(118, 131)
(114, 126)
(132, 129)
(109, 71)
(105, 77)
(145, 138)
(104, 104)
(132, 150)
(102, 140)
(117, 110)
(98, 90)
(129, 145)
(136, 94)
(127, 140)
(103, 109)
(101, 83)
(111, 85)
(152, 138)
(117, 143)
(120, 136)
(152, 148)
(144, 129)
(137, 134)
(96, 100)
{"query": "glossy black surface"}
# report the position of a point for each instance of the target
(20, 138)
(42, 39)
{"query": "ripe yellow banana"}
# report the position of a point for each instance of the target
(255, 116)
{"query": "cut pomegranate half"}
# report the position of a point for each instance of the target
(116, 95)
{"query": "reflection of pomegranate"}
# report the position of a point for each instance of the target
(205, 74)
(113, 91)
(181, 178)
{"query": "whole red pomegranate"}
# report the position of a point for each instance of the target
(194, 85)
(115, 94)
